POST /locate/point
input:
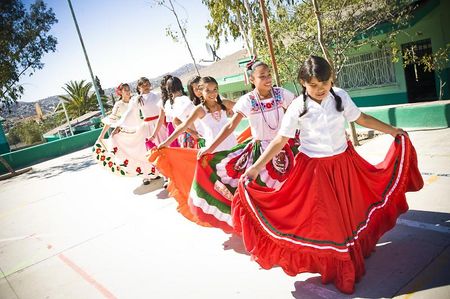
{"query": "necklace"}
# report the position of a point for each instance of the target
(262, 112)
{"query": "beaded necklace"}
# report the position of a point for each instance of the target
(275, 97)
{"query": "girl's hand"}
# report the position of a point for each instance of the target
(162, 145)
(397, 131)
(202, 151)
(251, 173)
(116, 130)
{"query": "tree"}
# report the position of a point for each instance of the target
(23, 41)
(99, 86)
(232, 18)
(80, 99)
(181, 27)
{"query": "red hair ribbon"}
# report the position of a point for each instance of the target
(251, 62)
(118, 90)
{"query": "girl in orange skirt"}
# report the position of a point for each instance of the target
(329, 214)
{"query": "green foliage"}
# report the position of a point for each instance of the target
(28, 132)
(80, 99)
(23, 41)
(347, 26)
(31, 131)
(99, 86)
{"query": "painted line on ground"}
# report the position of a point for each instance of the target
(436, 174)
(422, 225)
(105, 292)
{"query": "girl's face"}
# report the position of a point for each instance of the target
(316, 89)
(210, 92)
(262, 78)
(126, 93)
(145, 87)
(197, 92)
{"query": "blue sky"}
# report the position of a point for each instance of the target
(124, 40)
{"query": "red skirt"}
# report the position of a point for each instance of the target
(329, 214)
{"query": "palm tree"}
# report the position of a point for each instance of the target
(80, 99)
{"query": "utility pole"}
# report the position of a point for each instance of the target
(97, 93)
(269, 41)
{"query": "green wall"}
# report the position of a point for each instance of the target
(46, 151)
(435, 115)
(431, 22)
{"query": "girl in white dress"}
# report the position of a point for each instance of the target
(179, 164)
(103, 150)
(176, 110)
(133, 130)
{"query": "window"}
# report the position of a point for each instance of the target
(368, 70)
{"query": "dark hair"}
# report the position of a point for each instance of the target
(164, 92)
(140, 82)
(195, 99)
(206, 80)
(174, 85)
(251, 67)
(122, 86)
(319, 68)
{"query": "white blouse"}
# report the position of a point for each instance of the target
(132, 117)
(211, 125)
(118, 109)
(322, 128)
(264, 116)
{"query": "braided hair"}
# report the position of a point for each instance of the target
(201, 84)
(140, 82)
(174, 85)
(319, 68)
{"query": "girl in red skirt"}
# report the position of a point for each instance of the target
(218, 173)
(330, 212)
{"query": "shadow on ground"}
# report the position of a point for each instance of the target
(235, 243)
(144, 189)
(73, 165)
(406, 260)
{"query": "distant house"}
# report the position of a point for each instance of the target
(80, 124)
(371, 77)
(228, 73)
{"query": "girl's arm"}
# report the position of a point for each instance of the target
(102, 134)
(191, 131)
(373, 123)
(224, 133)
(161, 117)
(229, 105)
(274, 148)
(182, 127)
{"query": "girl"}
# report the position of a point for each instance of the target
(211, 115)
(129, 137)
(124, 93)
(195, 93)
(178, 109)
(103, 151)
(331, 211)
(216, 182)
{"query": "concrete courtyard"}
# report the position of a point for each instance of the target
(69, 229)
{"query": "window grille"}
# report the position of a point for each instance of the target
(368, 70)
